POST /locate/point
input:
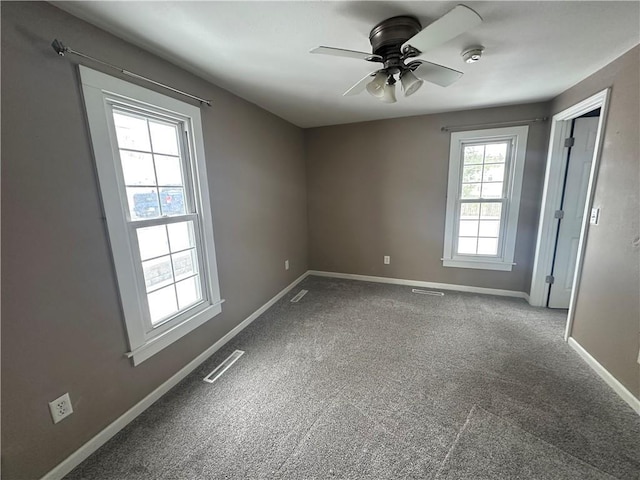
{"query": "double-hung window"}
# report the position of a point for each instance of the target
(150, 160)
(483, 197)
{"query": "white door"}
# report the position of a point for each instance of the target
(573, 204)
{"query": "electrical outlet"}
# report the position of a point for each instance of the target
(286, 264)
(60, 408)
(387, 259)
(594, 218)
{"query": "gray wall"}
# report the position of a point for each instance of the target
(379, 188)
(62, 329)
(607, 314)
(374, 189)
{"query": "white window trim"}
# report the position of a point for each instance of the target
(515, 171)
(98, 90)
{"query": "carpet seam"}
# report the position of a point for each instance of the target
(369, 373)
(513, 425)
(304, 437)
(384, 429)
(455, 441)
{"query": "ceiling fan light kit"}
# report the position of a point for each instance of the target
(399, 44)
(389, 93)
(410, 83)
(376, 86)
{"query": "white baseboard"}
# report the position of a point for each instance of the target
(419, 283)
(105, 435)
(620, 389)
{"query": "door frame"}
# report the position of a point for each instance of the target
(557, 158)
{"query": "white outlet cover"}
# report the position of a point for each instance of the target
(387, 260)
(60, 408)
(286, 264)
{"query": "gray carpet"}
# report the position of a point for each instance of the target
(363, 380)
(489, 448)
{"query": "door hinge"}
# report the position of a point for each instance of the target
(549, 279)
(568, 142)
(558, 214)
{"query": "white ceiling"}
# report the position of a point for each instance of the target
(259, 50)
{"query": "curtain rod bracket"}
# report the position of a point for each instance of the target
(61, 49)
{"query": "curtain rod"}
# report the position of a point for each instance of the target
(449, 128)
(62, 49)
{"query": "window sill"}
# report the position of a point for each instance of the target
(478, 264)
(166, 338)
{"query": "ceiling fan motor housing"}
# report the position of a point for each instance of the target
(398, 43)
(388, 36)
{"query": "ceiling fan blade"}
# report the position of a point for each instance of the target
(359, 86)
(341, 52)
(450, 25)
(431, 72)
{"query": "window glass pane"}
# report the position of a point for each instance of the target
(172, 201)
(164, 138)
(131, 132)
(185, 264)
(137, 168)
(153, 176)
(181, 236)
(157, 272)
(473, 154)
(467, 245)
(143, 202)
(469, 211)
(491, 211)
(487, 246)
(162, 303)
(468, 228)
(470, 190)
(472, 173)
(152, 241)
(489, 228)
(168, 170)
(495, 153)
(493, 173)
(492, 190)
(188, 291)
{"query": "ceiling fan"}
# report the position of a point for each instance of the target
(399, 43)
